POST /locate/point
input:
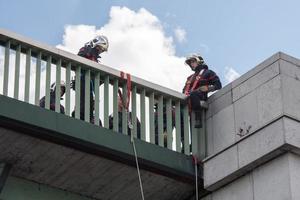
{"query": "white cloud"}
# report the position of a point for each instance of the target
(231, 74)
(138, 45)
(180, 34)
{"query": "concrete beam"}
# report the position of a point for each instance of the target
(251, 151)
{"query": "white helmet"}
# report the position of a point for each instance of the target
(194, 56)
(62, 85)
(100, 41)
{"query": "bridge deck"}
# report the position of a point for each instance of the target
(66, 153)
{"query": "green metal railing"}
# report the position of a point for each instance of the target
(40, 58)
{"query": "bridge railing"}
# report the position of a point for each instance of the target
(29, 69)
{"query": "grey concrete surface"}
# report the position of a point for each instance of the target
(220, 166)
(291, 96)
(246, 115)
(255, 81)
(272, 180)
(223, 129)
(261, 143)
(241, 189)
(269, 101)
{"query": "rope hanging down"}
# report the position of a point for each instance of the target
(195, 161)
(126, 106)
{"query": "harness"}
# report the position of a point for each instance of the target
(189, 87)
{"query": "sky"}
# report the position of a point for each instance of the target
(151, 38)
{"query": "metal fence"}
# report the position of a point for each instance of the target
(29, 68)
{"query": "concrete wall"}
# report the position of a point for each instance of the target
(254, 100)
(276, 180)
(253, 127)
(20, 189)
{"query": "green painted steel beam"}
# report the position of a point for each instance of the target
(22, 189)
(6, 68)
(17, 72)
(93, 139)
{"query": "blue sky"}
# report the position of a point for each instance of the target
(233, 34)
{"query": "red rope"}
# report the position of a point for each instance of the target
(128, 77)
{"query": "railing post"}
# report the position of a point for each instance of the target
(27, 76)
(106, 101)
(133, 112)
(143, 117)
(97, 96)
(38, 79)
(186, 130)
(68, 82)
(178, 126)
(124, 113)
(199, 137)
(57, 86)
(87, 90)
(48, 80)
(77, 92)
(6, 68)
(151, 118)
(169, 123)
(17, 72)
(115, 106)
(160, 119)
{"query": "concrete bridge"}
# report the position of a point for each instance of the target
(249, 145)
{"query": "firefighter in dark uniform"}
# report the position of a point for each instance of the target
(120, 122)
(91, 51)
(199, 84)
(52, 97)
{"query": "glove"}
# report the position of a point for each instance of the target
(207, 88)
(203, 88)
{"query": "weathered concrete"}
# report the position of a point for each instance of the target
(220, 166)
(223, 129)
(260, 124)
(275, 180)
(82, 173)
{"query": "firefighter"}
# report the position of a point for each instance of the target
(91, 51)
(52, 97)
(199, 84)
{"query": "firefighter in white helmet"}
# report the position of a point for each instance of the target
(199, 84)
(91, 50)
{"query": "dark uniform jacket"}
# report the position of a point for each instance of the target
(52, 103)
(207, 77)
